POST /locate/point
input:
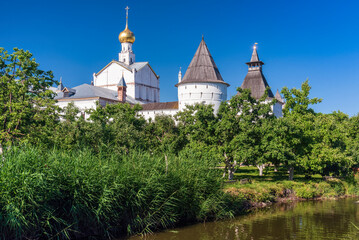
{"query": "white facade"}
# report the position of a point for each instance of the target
(207, 93)
(141, 81)
(151, 114)
(277, 109)
(126, 55)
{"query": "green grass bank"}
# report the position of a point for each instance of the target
(273, 186)
(79, 194)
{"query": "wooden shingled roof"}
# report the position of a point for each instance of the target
(255, 80)
(159, 106)
(202, 68)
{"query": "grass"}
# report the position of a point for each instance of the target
(270, 175)
(78, 194)
(274, 186)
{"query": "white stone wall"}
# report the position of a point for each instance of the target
(208, 93)
(277, 110)
(147, 85)
(142, 85)
(84, 105)
(152, 113)
(110, 77)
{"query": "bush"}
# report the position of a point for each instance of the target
(307, 191)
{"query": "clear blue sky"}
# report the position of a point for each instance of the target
(296, 40)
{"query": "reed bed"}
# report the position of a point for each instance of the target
(80, 194)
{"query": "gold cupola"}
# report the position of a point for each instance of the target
(126, 36)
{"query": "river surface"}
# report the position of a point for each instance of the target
(329, 219)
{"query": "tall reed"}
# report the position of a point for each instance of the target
(62, 195)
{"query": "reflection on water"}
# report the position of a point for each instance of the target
(331, 219)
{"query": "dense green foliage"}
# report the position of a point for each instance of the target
(116, 173)
(61, 194)
(25, 101)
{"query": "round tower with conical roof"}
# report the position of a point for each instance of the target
(202, 82)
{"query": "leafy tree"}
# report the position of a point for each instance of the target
(197, 129)
(241, 129)
(25, 97)
(198, 122)
(328, 152)
(164, 136)
(298, 119)
(121, 127)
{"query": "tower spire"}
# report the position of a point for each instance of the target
(127, 8)
(255, 57)
(180, 75)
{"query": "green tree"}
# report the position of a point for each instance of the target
(121, 127)
(197, 129)
(298, 119)
(24, 95)
(328, 153)
(242, 129)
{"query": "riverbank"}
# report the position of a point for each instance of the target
(81, 194)
(296, 220)
(260, 191)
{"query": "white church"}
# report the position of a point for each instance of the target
(127, 81)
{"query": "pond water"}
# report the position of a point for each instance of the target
(329, 219)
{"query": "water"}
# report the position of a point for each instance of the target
(330, 219)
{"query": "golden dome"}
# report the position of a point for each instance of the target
(126, 36)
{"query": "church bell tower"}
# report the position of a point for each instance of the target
(127, 38)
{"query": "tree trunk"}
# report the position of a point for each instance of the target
(166, 163)
(224, 172)
(230, 174)
(291, 173)
(261, 168)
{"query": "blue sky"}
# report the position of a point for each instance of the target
(297, 40)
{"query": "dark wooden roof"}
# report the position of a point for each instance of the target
(159, 106)
(255, 80)
(257, 83)
(202, 68)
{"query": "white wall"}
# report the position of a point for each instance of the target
(152, 113)
(142, 84)
(277, 110)
(110, 77)
(147, 84)
(208, 93)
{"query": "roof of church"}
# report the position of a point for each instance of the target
(137, 66)
(90, 91)
(255, 80)
(160, 106)
(202, 68)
